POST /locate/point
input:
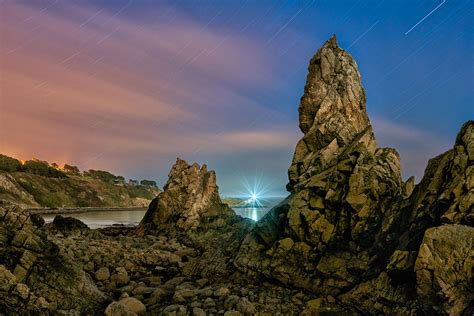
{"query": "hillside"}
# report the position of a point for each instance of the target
(36, 183)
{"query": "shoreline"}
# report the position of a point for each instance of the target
(76, 210)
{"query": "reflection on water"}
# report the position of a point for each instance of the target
(254, 213)
(97, 219)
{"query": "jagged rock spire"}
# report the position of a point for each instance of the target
(350, 227)
(342, 186)
(189, 199)
(332, 109)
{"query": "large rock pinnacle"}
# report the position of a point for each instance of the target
(190, 199)
(342, 187)
(331, 112)
(351, 228)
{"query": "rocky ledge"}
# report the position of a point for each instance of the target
(351, 238)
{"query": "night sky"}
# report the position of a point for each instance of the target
(127, 86)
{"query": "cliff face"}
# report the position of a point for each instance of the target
(190, 200)
(350, 223)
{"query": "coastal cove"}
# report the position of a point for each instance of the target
(100, 217)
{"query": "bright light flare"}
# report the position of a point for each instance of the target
(255, 192)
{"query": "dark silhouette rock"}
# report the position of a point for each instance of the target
(68, 224)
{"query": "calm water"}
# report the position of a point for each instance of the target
(97, 219)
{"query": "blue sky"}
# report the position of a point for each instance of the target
(129, 85)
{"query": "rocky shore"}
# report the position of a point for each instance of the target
(351, 238)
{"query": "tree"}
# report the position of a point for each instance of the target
(104, 176)
(9, 164)
(148, 183)
(42, 168)
(133, 182)
(71, 169)
(36, 167)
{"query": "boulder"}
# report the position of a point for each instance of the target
(127, 306)
(444, 269)
(102, 274)
(68, 224)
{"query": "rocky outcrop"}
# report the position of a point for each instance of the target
(444, 269)
(190, 208)
(446, 192)
(351, 227)
(35, 276)
(190, 200)
(337, 220)
(331, 112)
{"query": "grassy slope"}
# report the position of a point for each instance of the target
(77, 191)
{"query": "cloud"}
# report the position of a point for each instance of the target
(83, 84)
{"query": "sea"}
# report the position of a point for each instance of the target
(132, 217)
